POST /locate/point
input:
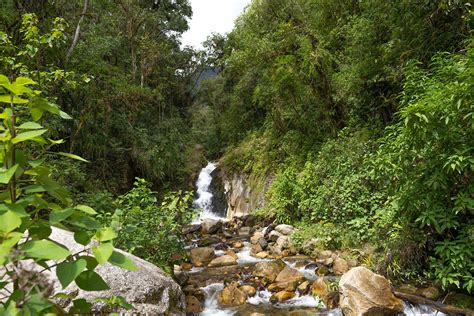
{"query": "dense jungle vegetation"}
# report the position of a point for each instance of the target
(361, 112)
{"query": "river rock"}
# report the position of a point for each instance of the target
(340, 266)
(207, 241)
(232, 254)
(210, 226)
(268, 269)
(304, 287)
(320, 288)
(322, 271)
(254, 249)
(223, 261)
(231, 295)
(263, 243)
(201, 256)
(290, 275)
(237, 244)
(256, 236)
(282, 296)
(186, 266)
(193, 305)
(148, 289)
(192, 228)
(274, 235)
(429, 292)
(262, 255)
(363, 292)
(289, 286)
(244, 231)
(284, 229)
(248, 289)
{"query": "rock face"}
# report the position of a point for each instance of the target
(148, 289)
(219, 202)
(363, 292)
(210, 226)
(223, 261)
(201, 256)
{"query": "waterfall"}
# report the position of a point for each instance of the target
(204, 195)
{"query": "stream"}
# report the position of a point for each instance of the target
(207, 282)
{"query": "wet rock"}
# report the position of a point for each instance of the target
(274, 235)
(332, 300)
(232, 254)
(210, 226)
(304, 287)
(193, 305)
(192, 228)
(282, 296)
(207, 241)
(262, 255)
(248, 289)
(221, 246)
(223, 261)
(237, 244)
(322, 271)
(269, 269)
(363, 292)
(285, 229)
(255, 237)
(201, 256)
(244, 231)
(289, 286)
(182, 278)
(282, 243)
(290, 275)
(186, 266)
(320, 288)
(254, 249)
(407, 288)
(231, 295)
(429, 292)
(340, 266)
(263, 243)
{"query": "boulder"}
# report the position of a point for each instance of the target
(340, 266)
(232, 254)
(231, 295)
(248, 289)
(282, 243)
(290, 275)
(282, 296)
(262, 255)
(193, 305)
(268, 269)
(244, 231)
(210, 226)
(363, 292)
(289, 286)
(186, 266)
(148, 289)
(273, 236)
(322, 271)
(201, 256)
(285, 229)
(237, 244)
(223, 261)
(192, 228)
(263, 243)
(254, 249)
(304, 287)
(429, 292)
(320, 288)
(256, 236)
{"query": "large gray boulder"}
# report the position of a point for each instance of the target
(364, 293)
(148, 289)
(210, 226)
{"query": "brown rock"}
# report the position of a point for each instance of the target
(232, 254)
(320, 288)
(210, 226)
(201, 256)
(340, 266)
(304, 287)
(269, 269)
(231, 295)
(281, 296)
(256, 236)
(262, 255)
(193, 305)
(430, 292)
(223, 261)
(322, 271)
(363, 292)
(254, 249)
(248, 289)
(283, 286)
(290, 275)
(237, 244)
(186, 266)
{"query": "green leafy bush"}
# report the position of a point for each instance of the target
(150, 230)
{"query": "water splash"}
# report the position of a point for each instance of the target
(243, 256)
(420, 310)
(211, 306)
(204, 199)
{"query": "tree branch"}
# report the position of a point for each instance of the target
(78, 32)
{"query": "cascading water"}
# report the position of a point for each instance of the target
(204, 195)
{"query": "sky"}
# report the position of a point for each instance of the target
(211, 16)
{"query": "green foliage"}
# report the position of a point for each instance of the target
(149, 230)
(32, 203)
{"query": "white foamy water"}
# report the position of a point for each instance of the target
(204, 199)
(420, 310)
(309, 274)
(243, 256)
(211, 306)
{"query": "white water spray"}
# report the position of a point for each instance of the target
(204, 199)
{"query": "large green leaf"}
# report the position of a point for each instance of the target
(91, 281)
(106, 234)
(45, 249)
(68, 271)
(16, 100)
(28, 135)
(30, 125)
(86, 209)
(6, 175)
(60, 215)
(122, 261)
(9, 221)
(103, 252)
(72, 156)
